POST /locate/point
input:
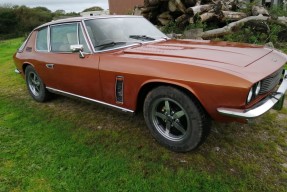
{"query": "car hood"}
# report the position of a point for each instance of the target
(219, 53)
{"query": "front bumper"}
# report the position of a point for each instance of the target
(260, 108)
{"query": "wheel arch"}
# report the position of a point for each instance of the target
(25, 65)
(148, 86)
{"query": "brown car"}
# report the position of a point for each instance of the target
(126, 63)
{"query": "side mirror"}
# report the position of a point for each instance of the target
(78, 48)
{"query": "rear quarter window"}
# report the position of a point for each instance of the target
(21, 48)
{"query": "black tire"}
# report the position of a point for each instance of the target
(35, 85)
(177, 121)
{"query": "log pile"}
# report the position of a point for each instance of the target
(185, 12)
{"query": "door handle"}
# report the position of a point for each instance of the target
(50, 66)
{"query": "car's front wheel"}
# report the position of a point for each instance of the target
(35, 85)
(176, 120)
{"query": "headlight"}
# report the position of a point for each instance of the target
(258, 87)
(250, 95)
(254, 92)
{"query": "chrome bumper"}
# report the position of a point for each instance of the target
(260, 108)
(17, 71)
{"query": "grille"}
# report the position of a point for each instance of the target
(271, 81)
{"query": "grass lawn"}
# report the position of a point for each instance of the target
(71, 145)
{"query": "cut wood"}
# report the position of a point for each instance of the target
(176, 5)
(163, 21)
(199, 9)
(282, 21)
(148, 9)
(137, 11)
(172, 6)
(279, 21)
(206, 16)
(189, 3)
(185, 12)
(148, 3)
(180, 6)
(233, 16)
(259, 10)
(198, 2)
(181, 19)
(164, 18)
(165, 15)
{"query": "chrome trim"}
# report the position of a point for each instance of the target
(35, 43)
(89, 99)
(85, 37)
(109, 16)
(50, 66)
(88, 40)
(123, 47)
(17, 71)
(23, 45)
(117, 79)
(79, 19)
(131, 45)
(126, 46)
(59, 24)
(78, 37)
(262, 107)
(49, 38)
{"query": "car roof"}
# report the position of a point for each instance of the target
(78, 19)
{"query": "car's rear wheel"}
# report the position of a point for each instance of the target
(176, 120)
(35, 85)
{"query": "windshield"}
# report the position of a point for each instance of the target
(107, 33)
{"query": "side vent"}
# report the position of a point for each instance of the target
(120, 89)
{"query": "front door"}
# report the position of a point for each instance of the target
(65, 70)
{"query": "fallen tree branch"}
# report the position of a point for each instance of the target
(228, 29)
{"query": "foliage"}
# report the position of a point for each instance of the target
(171, 27)
(17, 21)
(249, 35)
(277, 11)
(93, 9)
(249, 5)
(47, 147)
(196, 25)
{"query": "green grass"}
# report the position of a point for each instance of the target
(70, 145)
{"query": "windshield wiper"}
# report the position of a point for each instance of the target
(112, 43)
(141, 37)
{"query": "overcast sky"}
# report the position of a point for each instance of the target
(53, 5)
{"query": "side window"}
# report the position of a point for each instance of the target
(63, 36)
(41, 42)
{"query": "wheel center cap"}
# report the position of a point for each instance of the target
(169, 118)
